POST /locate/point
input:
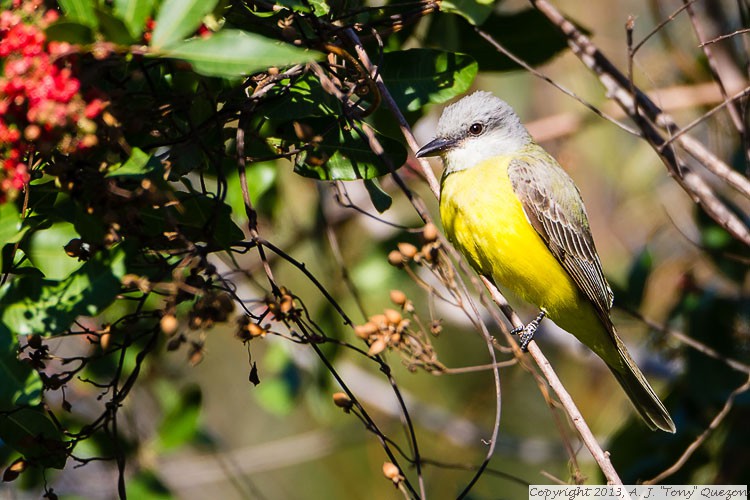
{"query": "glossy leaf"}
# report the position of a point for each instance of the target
(70, 31)
(233, 53)
(134, 14)
(139, 164)
(318, 7)
(420, 76)
(527, 34)
(20, 385)
(178, 19)
(474, 11)
(30, 432)
(380, 199)
(32, 304)
(47, 250)
(342, 154)
(306, 98)
(204, 219)
(11, 230)
(81, 11)
(113, 28)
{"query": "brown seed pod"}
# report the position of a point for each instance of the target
(395, 258)
(377, 347)
(169, 324)
(342, 400)
(391, 472)
(407, 250)
(398, 297)
(379, 320)
(256, 330)
(364, 331)
(74, 247)
(393, 317)
(430, 232)
(286, 304)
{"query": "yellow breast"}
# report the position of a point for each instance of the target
(485, 220)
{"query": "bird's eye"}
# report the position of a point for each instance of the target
(476, 129)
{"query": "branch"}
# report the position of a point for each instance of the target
(632, 100)
(575, 416)
(601, 457)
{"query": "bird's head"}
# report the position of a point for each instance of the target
(476, 128)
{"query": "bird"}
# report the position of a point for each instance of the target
(519, 219)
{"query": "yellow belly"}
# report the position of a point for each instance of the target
(485, 221)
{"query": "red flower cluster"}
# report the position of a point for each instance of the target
(41, 108)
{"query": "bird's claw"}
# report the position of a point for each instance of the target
(526, 333)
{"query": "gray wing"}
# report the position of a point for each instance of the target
(553, 206)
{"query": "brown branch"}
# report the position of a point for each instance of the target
(619, 89)
(601, 457)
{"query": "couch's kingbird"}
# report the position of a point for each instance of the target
(519, 219)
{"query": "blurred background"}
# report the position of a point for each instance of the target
(206, 431)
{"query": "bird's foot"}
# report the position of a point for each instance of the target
(526, 333)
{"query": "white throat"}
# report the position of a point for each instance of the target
(473, 151)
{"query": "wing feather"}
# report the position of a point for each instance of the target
(553, 206)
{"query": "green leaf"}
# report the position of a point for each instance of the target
(70, 31)
(527, 34)
(380, 199)
(304, 99)
(79, 10)
(31, 304)
(319, 7)
(139, 164)
(113, 28)
(208, 220)
(30, 432)
(146, 485)
(47, 253)
(233, 53)
(180, 424)
(420, 76)
(11, 230)
(474, 11)
(134, 14)
(178, 19)
(342, 154)
(20, 385)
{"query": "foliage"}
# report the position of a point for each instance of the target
(129, 133)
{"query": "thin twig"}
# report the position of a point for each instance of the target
(704, 435)
(617, 86)
(601, 457)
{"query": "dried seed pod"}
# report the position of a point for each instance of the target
(407, 250)
(377, 347)
(398, 297)
(342, 400)
(364, 331)
(14, 470)
(395, 258)
(169, 324)
(430, 232)
(286, 304)
(379, 321)
(393, 316)
(391, 472)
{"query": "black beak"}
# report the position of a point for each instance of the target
(435, 147)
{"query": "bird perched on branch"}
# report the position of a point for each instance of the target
(519, 219)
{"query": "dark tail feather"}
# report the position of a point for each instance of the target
(639, 391)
